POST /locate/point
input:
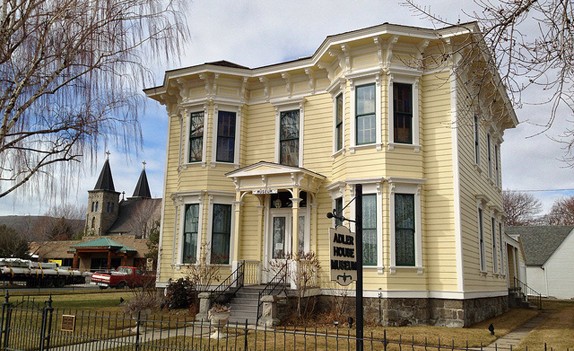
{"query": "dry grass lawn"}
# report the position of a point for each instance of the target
(557, 330)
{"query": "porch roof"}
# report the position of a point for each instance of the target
(267, 176)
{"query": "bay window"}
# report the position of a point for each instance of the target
(221, 234)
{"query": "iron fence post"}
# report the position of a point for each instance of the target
(5, 321)
(138, 322)
(45, 331)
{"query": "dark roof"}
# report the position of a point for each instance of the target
(142, 187)
(105, 180)
(540, 242)
(224, 63)
(133, 214)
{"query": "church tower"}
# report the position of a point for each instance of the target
(103, 203)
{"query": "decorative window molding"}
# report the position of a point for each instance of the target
(193, 114)
(281, 110)
(221, 200)
(402, 77)
(217, 139)
(405, 187)
(476, 127)
(495, 265)
(480, 235)
(364, 79)
(339, 123)
(182, 201)
(372, 186)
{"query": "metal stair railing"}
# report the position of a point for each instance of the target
(278, 281)
(527, 292)
(230, 285)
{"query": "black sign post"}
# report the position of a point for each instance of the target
(359, 255)
(344, 240)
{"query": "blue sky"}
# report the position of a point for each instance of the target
(256, 33)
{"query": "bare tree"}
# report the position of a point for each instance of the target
(70, 75)
(12, 244)
(520, 208)
(145, 217)
(562, 212)
(533, 46)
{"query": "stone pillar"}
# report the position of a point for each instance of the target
(269, 312)
(204, 305)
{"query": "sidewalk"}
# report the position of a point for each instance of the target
(512, 339)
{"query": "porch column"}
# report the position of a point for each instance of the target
(109, 263)
(295, 228)
(261, 232)
(236, 226)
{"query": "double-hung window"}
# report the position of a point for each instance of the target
(196, 126)
(494, 248)
(403, 113)
(339, 122)
(365, 114)
(405, 255)
(226, 126)
(190, 233)
(369, 230)
(489, 154)
(289, 138)
(221, 234)
(481, 241)
(476, 141)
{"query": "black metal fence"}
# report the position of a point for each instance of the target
(27, 325)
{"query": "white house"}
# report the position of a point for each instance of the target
(549, 259)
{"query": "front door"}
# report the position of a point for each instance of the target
(280, 238)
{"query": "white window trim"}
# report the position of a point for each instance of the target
(476, 138)
(371, 186)
(480, 209)
(502, 249)
(337, 190)
(181, 200)
(489, 155)
(413, 80)
(414, 187)
(359, 81)
(221, 199)
(342, 149)
(227, 108)
(494, 236)
(289, 106)
(188, 112)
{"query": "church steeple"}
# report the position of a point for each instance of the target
(103, 203)
(142, 187)
(105, 180)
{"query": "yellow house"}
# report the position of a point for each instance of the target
(416, 116)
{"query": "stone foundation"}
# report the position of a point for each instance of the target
(403, 312)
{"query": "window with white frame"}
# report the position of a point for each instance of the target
(489, 154)
(365, 114)
(196, 128)
(496, 162)
(289, 142)
(226, 133)
(403, 113)
(370, 230)
(406, 229)
(502, 249)
(221, 233)
(481, 244)
(494, 247)
(476, 141)
(190, 234)
(339, 122)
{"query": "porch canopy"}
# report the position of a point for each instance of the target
(264, 178)
(110, 248)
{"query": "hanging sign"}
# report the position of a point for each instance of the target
(264, 191)
(343, 258)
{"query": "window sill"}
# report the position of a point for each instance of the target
(483, 273)
(393, 269)
(192, 164)
(477, 168)
(219, 163)
(353, 148)
(414, 147)
(338, 153)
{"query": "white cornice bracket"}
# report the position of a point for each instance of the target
(287, 78)
(311, 74)
(265, 83)
(392, 41)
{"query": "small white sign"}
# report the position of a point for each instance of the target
(264, 191)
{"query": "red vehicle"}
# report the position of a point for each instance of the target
(124, 276)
